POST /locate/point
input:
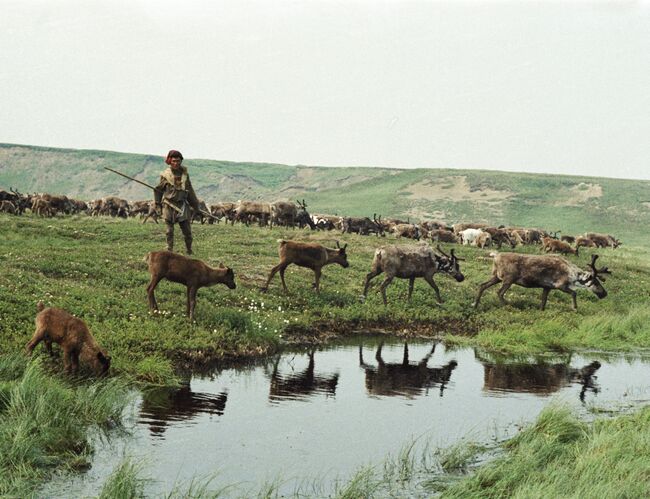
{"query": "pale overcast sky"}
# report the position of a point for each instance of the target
(555, 87)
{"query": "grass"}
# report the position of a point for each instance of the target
(560, 456)
(45, 422)
(93, 268)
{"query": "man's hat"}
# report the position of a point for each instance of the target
(173, 154)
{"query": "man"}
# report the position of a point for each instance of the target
(176, 188)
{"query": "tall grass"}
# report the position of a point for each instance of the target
(45, 423)
(560, 456)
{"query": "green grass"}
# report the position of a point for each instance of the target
(560, 456)
(93, 268)
(45, 422)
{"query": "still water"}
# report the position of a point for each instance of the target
(323, 414)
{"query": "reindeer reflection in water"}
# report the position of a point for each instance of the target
(161, 408)
(538, 379)
(409, 380)
(300, 384)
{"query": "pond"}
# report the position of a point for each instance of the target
(322, 414)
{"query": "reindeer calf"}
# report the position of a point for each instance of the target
(193, 273)
(309, 255)
(58, 326)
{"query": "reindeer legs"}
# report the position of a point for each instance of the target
(150, 289)
(370, 276)
(429, 279)
(411, 283)
(501, 293)
(545, 293)
(281, 267)
(383, 287)
(484, 286)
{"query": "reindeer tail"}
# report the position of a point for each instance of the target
(40, 306)
(146, 258)
(493, 254)
(281, 241)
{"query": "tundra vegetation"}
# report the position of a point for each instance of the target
(93, 268)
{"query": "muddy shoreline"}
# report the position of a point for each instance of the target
(322, 332)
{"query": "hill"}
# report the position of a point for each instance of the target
(572, 204)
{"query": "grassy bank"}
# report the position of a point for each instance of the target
(560, 456)
(45, 422)
(93, 267)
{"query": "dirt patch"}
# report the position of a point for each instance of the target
(454, 189)
(581, 193)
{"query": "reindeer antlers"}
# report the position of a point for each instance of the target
(452, 257)
(596, 272)
(339, 247)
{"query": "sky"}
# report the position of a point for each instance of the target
(550, 87)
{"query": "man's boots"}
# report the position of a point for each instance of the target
(188, 245)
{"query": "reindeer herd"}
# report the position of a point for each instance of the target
(405, 261)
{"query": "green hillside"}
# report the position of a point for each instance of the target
(569, 203)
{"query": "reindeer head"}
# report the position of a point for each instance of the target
(341, 257)
(378, 224)
(449, 264)
(590, 279)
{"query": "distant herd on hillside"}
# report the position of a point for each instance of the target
(289, 214)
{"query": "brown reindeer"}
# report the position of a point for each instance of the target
(551, 245)
(309, 255)
(410, 262)
(193, 273)
(546, 272)
(58, 326)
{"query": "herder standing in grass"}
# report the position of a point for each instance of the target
(175, 187)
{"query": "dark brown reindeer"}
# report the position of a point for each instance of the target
(193, 273)
(404, 378)
(55, 325)
(410, 262)
(309, 255)
(546, 272)
(301, 384)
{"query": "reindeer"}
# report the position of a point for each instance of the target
(363, 226)
(603, 240)
(546, 272)
(309, 255)
(410, 231)
(555, 246)
(410, 262)
(283, 213)
(303, 217)
(71, 333)
(193, 273)
(8, 207)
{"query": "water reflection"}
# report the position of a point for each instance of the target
(301, 384)
(163, 408)
(539, 379)
(403, 378)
